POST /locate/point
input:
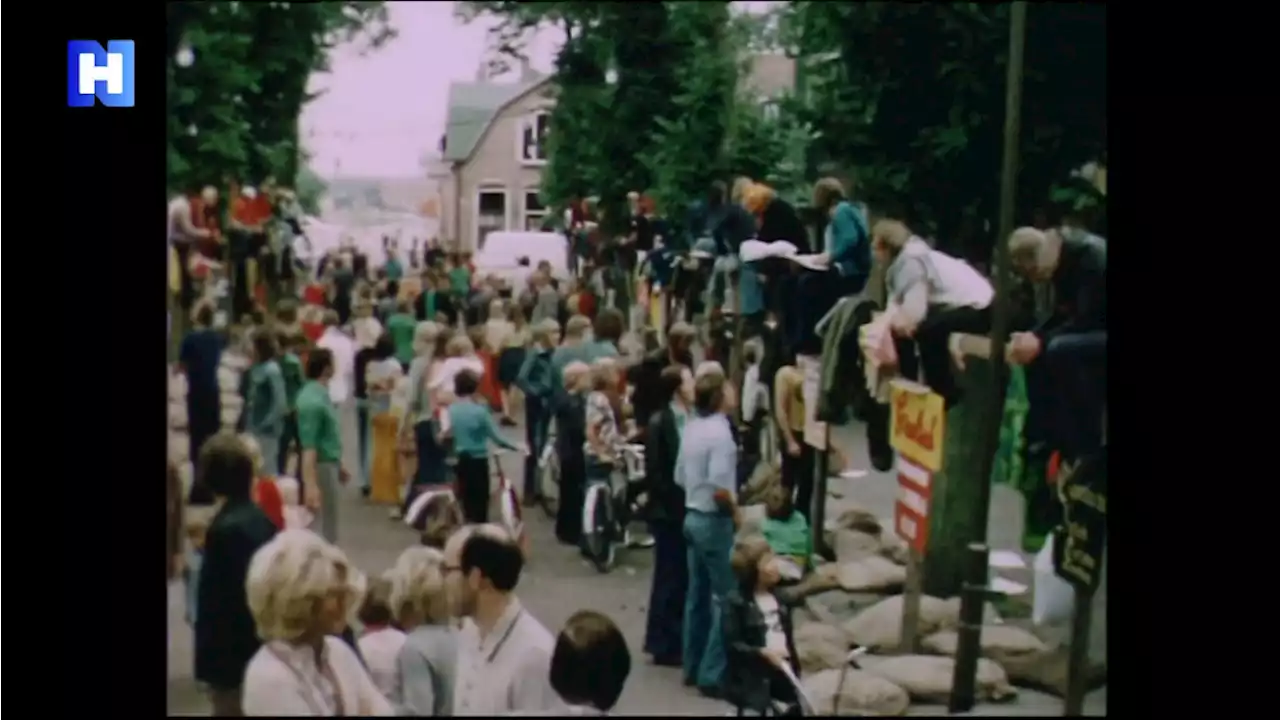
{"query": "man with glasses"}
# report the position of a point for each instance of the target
(504, 653)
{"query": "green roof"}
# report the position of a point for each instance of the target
(472, 106)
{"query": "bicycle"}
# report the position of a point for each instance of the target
(607, 510)
(548, 481)
(508, 502)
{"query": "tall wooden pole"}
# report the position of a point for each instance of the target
(975, 591)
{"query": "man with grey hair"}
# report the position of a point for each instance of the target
(1065, 354)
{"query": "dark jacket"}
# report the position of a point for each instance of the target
(226, 637)
(734, 225)
(646, 377)
(662, 446)
(571, 426)
(444, 304)
(748, 674)
(780, 221)
(1079, 287)
(536, 379)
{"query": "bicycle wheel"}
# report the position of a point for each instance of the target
(597, 527)
(549, 481)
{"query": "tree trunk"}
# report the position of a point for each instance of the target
(952, 510)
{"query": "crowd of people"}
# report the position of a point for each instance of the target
(438, 364)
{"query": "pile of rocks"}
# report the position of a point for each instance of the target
(856, 602)
(229, 372)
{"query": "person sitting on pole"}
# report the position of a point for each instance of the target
(846, 253)
(936, 295)
(1066, 354)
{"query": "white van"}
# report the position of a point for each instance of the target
(502, 252)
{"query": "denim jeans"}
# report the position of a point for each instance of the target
(362, 439)
(710, 544)
(536, 421)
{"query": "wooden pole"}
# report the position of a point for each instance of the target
(821, 469)
(1078, 655)
(911, 604)
(967, 650)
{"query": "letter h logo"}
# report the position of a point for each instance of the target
(105, 74)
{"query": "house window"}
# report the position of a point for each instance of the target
(532, 138)
(535, 213)
(491, 213)
(772, 110)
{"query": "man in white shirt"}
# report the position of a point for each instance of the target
(504, 653)
(344, 358)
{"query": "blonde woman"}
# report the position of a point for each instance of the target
(418, 430)
(490, 343)
(511, 355)
(381, 377)
(427, 661)
(604, 419)
(301, 591)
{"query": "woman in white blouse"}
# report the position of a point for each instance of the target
(301, 590)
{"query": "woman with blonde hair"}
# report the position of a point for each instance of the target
(498, 331)
(427, 659)
(418, 427)
(301, 591)
(511, 354)
(381, 377)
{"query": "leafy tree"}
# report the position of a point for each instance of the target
(686, 150)
(310, 188)
(233, 110)
(922, 129)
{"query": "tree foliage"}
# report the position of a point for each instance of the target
(686, 149)
(910, 98)
(233, 110)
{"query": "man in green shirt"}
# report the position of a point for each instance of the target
(402, 326)
(319, 434)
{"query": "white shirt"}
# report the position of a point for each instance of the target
(179, 207)
(367, 330)
(450, 368)
(344, 360)
(381, 651)
(774, 637)
(286, 680)
(508, 671)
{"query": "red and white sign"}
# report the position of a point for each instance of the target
(911, 511)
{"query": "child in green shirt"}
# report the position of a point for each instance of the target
(787, 532)
(459, 279)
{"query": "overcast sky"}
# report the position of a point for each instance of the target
(384, 110)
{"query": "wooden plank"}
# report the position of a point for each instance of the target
(978, 346)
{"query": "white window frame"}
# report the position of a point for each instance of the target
(489, 187)
(523, 124)
(771, 109)
(526, 214)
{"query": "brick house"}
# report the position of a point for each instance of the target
(492, 156)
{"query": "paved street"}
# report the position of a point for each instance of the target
(557, 583)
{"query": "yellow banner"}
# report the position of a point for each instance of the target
(918, 420)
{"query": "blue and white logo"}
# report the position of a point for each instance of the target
(104, 74)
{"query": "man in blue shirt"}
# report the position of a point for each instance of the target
(706, 469)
